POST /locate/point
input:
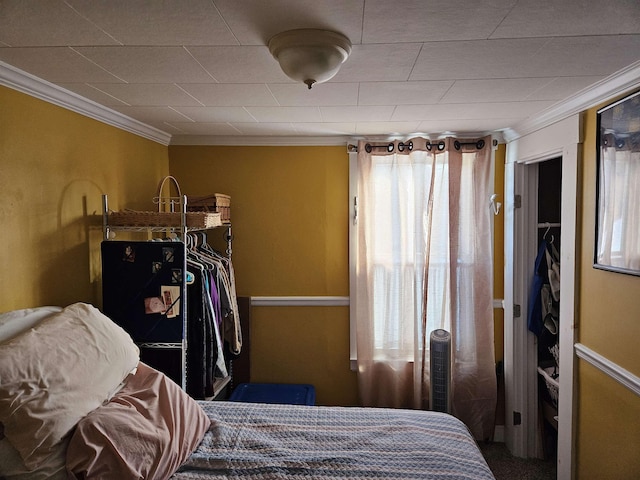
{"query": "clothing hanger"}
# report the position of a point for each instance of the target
(547, 232)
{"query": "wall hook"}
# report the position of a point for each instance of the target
(495, 206)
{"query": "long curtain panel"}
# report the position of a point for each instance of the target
(424, 261)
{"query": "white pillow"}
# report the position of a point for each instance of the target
(17, 321)
(55, 373)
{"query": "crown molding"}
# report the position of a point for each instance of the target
(619, 83)
(259, 140)
(24, 82)
(289, 141)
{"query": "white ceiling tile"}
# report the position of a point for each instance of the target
(493, 90)
(56, 65)
(477, 59)
(379, 63)
(34, 23)
(147, 94)
(149, 22)
(427, 21)
(148, 64)
(570, 18)
(330, 93)
(386, 128)
(239, 64)
(254, 22)
(402, 93)
(85, 90)
(325, 128)
(356, 114)
(264, 129)
(216, 114)
(225, 94)
(152, 114)
(285, 114)
(562, 87)
(468, 111)
(580, 56)
(167, 127)
(458, 126)
(192, 128)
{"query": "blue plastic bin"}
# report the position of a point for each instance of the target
(293, 394)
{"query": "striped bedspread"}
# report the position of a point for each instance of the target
(265, 441)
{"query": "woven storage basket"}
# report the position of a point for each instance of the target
(553, 386)
(166, 216)
(217, 203)
(134, 218)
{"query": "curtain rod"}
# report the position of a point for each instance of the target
(389, 147)
(479, 144)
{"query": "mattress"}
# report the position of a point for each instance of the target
(258, 441)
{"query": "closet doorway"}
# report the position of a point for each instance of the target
(532, 189)
(543, 321)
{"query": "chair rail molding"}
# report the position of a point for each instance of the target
(300, 301)
(613, 370)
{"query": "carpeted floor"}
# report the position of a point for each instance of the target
(507, 467)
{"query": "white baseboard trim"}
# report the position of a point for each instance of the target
(613, 370)
(292, 301)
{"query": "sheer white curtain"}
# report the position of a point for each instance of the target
(424, 261)
(619, 205)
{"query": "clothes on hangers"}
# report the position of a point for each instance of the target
(553, 270)
(540, 273)
(545, 290)
(223, 281)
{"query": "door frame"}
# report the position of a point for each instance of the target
(561, 139)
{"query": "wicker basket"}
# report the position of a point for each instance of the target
(217, 203)
(169, 214)
(134, 218)
(553, 386)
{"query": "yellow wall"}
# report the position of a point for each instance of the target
(54, 167)
(608, 429)
(289, 215)
(498, 275)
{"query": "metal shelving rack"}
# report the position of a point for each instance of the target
(172, 205)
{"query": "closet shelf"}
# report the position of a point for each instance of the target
(549, 225)
(170, 345)
(180, 222)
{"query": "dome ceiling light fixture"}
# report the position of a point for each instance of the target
(310, 55)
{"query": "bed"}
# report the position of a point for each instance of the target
(76, 403)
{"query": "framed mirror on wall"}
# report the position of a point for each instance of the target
(617, 244)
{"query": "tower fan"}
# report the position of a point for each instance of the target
(440, 371)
